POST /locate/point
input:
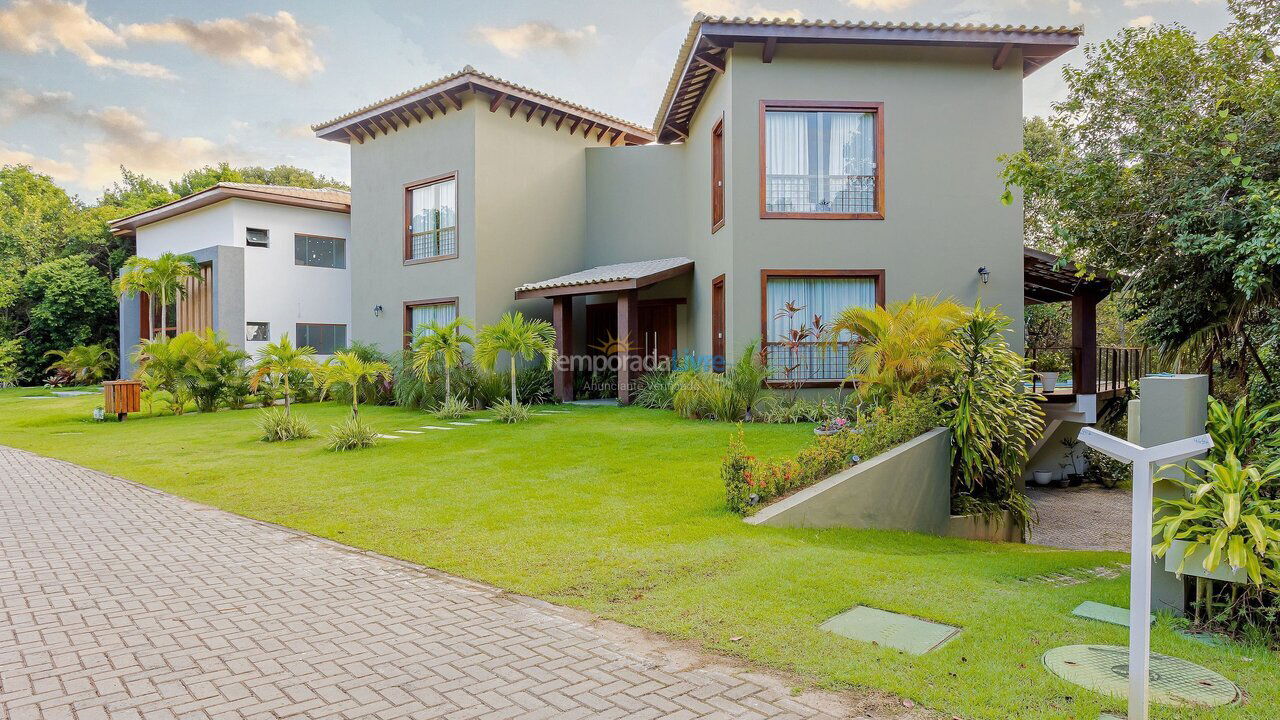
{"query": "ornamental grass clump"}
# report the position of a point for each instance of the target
(279, 425)
(511, 412)
(452, 408)
(351, 434)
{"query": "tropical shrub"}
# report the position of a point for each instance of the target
(697, 392)
(215, 369)
(83, 364)
(535, 385)
(348, 370)
(900, 348)
(1252, 437)
(279, 425)
(66, 302)
(509, 412)
(377, 391)
(480, 387)
(654, 390)
(515, 336)
(282, 361)
(163, 278)
(443, 344)
(9, 350)
(351, 434)
(452, 408)
(1105, 470)
(992, 418)
(884, 427)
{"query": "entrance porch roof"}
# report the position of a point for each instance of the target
(1044, 281)
(608, 278)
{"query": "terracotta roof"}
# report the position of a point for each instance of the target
(642, 272)
(804, 29)
(469, 74)
(330, 199)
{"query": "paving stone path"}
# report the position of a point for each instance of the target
(1089, 517)
(117, 601)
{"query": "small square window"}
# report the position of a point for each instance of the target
(257, 331)
(254, 237)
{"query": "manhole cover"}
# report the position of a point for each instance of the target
(1105, 669)
(901, 632)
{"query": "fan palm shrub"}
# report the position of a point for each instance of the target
(898, 350)
(84, 364)
(443, 342)
(214, 367)
(162, 277)
(167, 363)
(346, 369)
(515, 336)
(279, 360)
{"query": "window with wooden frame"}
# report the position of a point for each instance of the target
(431, 219)
(418, 313)
(793, 302)
(717, 175)
(821, 160)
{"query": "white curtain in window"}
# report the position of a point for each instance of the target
(852, 144)
(787, 143)
(441, 314)
(819, 295)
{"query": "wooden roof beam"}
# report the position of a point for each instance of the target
(715, 63)
(497, 101)
(515, 106)
(545, 114)
(529, 115)
(587, 128)
(440, 104)
(770, 47)
(426, 108)
(355, 137)
(574, 125)
(1002, 56)
(675, 130)
(603, 129)
(560, 120)
(453, 98)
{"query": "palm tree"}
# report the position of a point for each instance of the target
(346, 368)
(163, 277)
(517, 336)
(86, 364)
(899, 349)
(279, 359)
(445, 341)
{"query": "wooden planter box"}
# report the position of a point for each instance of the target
(121, 397)
(1195, 564)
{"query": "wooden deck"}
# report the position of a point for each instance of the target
(1106, 391)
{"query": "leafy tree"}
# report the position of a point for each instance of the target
(515, 335)
(64, 302)
(35, 216)
(347, 368)
(163, 277)
(194, 181)
(280, 359)
(443, 341)
(84, 364)
(1168, 171)
(9, 354)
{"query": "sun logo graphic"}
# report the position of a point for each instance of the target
(614, 346)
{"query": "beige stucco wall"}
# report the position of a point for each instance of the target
(947, 117)
(380, 168)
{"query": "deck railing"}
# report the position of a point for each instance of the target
(1113, 367)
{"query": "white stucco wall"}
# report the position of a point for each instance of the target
(275, 289)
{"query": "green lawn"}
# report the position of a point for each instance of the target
(620, 512)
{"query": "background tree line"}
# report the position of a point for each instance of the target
(1163, 165)
(58, 256)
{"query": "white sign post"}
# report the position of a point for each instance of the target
(1144, 461)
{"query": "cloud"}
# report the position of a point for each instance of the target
(881, 5)
(273, 42)
(737, 8)
(118, 137)
(63, 172)
(514, 40)
(1142, 21)
(35, 26)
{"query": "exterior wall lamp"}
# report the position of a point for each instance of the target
(377, 311)
(984, 273)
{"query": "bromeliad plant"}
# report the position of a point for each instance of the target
(1229, 511)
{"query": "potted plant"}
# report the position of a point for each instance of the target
(831, 427)
(1042, 477)
(1049, 366)
(1075, 461)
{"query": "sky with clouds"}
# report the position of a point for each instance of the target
(165, 86)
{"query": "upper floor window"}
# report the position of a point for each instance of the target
(257, 237)
(318, 251)
(326, 339)
(431, 214)
(717, 176)
(822, 160)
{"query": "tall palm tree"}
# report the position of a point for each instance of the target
(87, 364)
(163, 277)
(445, 341)
(279, 359)
(899, 349)
(516, 336)
(346, 368)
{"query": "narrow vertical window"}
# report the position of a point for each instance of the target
(717, 176)
(431, 219)
(822, 160)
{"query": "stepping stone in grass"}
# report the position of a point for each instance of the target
(484, 419)
(1104, 613)
(559, 412)
(890, 629)
(390, 437)
(465, 424)
(411, 432)
(433, 427)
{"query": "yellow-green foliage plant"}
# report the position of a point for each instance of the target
(279, 360)
(347, 368)
(899, 349)
(515, 335)
(445, 342)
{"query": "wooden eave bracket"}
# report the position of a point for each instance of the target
(1002, 56)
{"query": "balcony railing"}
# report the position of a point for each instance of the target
(847, 194)
(807, 362)
(1111, 371)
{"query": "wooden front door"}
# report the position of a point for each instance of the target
(658, 328)
(717, 323)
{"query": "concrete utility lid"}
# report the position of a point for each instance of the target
(1104, 613)
(1105, 670)
(889, 629)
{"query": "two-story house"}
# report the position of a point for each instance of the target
(820, 164)
(273, 260)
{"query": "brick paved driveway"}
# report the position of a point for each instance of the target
(118, 601)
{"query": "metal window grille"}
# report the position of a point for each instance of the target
(846, 194)
(434, 243)
(808, 361)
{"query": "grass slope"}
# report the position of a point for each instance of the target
(620, 512)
